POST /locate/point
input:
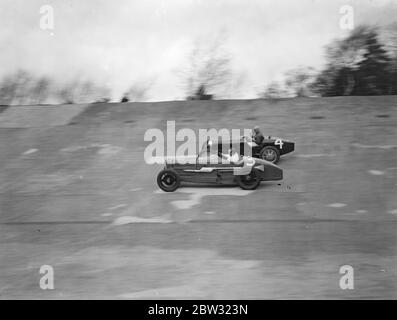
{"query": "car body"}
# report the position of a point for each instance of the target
(210, 168)
(271, 148)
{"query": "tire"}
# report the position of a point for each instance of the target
(168, 180)
(271, 154)
(250, 181)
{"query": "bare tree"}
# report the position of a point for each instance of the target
(273, 91)
(83, 92)
(102, 94)
(8, 89)
(40, 90)
(299, 80)
(66, 94)
(23, 85)
(137, 92)
(208, 67)
(18, 88)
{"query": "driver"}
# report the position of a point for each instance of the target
(257, 136)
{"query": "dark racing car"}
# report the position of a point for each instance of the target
(270, 149)
(209, 167)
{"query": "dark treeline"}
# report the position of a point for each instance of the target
(363, 63)
(358, 65)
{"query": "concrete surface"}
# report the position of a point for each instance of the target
(76, 194)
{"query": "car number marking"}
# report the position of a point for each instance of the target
(279, 142)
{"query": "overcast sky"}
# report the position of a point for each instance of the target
(121, 42)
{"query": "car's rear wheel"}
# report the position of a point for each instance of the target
(168, 180)
(270, 154)
(250, 181)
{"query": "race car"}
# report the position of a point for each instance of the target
(270, 149)
(209, 167)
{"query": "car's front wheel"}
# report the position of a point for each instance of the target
(270, 154)
(168, 180)
(250, 181)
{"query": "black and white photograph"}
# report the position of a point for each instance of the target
(199, 150)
